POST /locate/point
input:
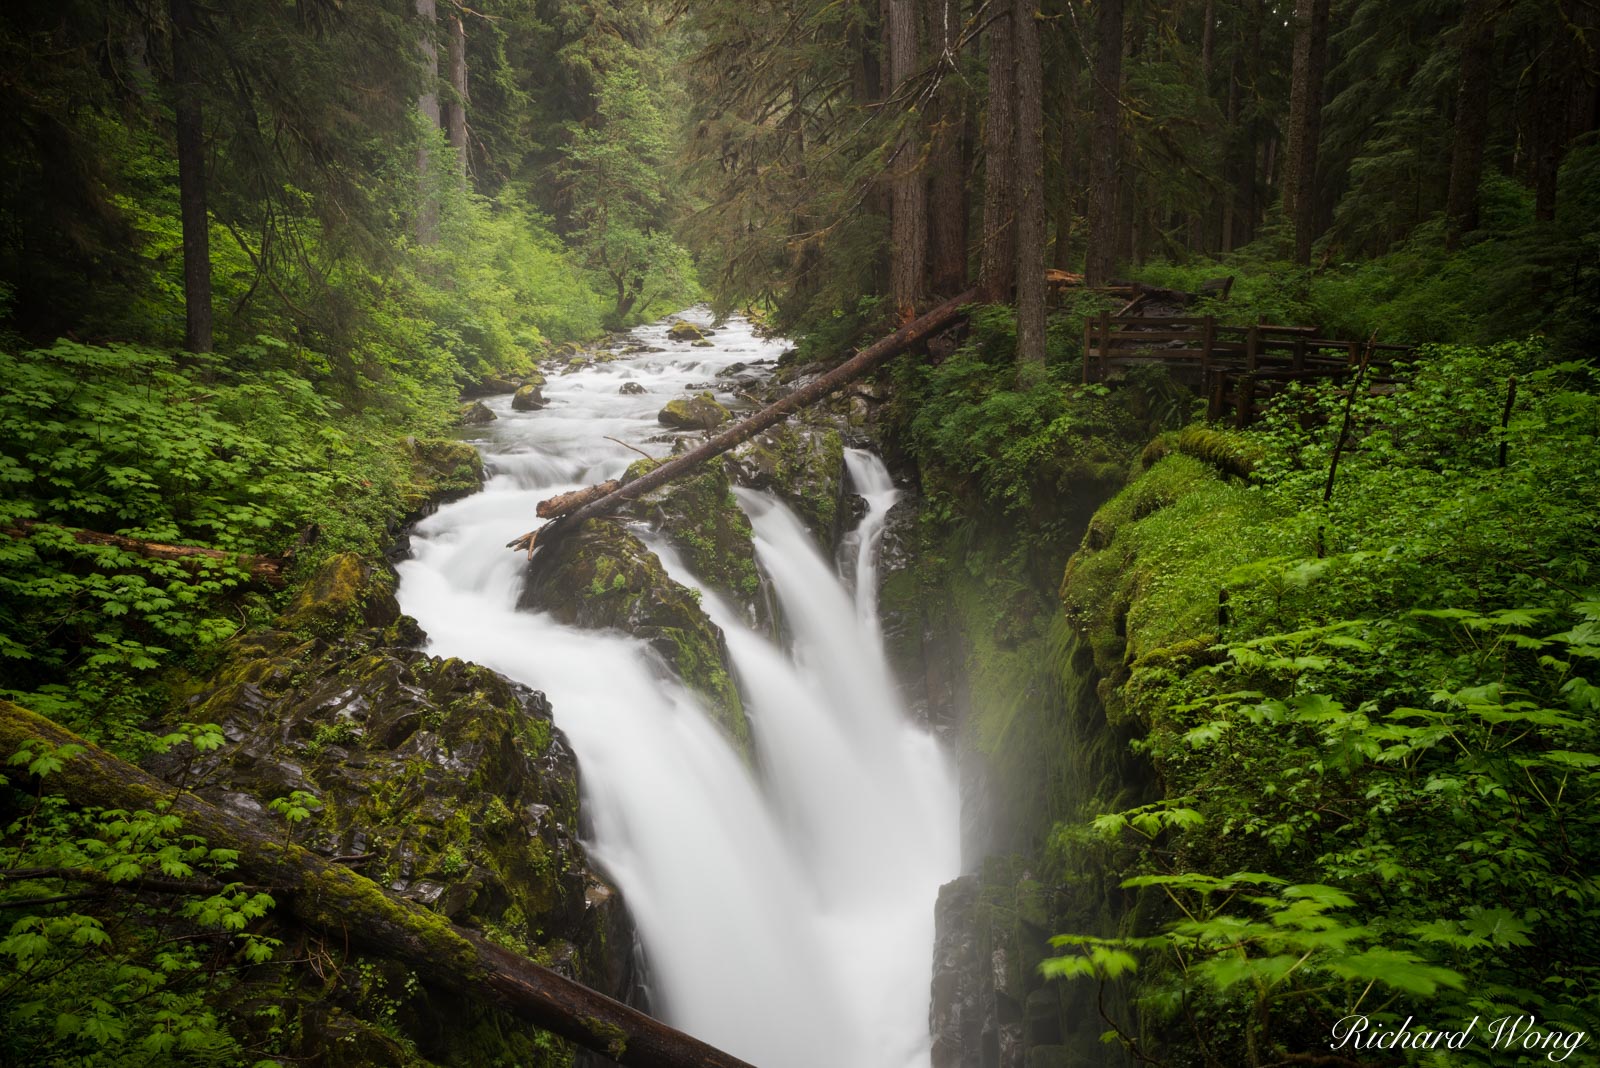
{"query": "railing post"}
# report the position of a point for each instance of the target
(1252, 342)
(1247, 401)
(1219, 387)
(1299, 359)
(1088, 342)
(1105, 344)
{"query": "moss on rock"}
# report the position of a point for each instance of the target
(603, 577)
(450, 785)
(693, 413)
(803, 463)
(701, 519)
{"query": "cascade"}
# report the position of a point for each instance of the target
(786, 913)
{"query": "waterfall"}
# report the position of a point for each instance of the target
(787, 916)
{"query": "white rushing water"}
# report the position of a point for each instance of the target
(786, 915)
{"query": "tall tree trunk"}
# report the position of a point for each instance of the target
(455, 107)
(427, 223)
(947, 187)
(1208, 41)
(1030, 191)
(1305, 123)
(1472, 119)
(997, 259)
(1105, 145)
(191, 179)
(1071, 161)
(908, 218)
(1231, 171)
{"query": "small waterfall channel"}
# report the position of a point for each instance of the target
(786, 914)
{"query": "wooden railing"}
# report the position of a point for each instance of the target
(1234, 366)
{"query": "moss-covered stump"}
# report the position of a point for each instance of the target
(803, 463)
(439, 779)
(601, 576)
(693, 413)
(701, 519)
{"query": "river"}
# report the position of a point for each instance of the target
(786, 914)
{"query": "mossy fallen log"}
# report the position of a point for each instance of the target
(335, 900)
(867, 359)
(265, 569)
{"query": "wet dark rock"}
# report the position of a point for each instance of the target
(631, 389)
(528, 399)
(476, 414)
(602, 577)
(443, 780)
(802, 462)
(733, 369)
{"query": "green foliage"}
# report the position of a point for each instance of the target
(123, 932)
(129, 441)
(1400, 714)
(978, 438)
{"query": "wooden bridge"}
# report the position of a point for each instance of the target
(1236, 367)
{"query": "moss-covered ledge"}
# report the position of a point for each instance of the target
(602, 577)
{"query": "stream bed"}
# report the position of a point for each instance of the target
(786, 914)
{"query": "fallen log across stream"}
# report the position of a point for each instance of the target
(337, 901)
(586, 504)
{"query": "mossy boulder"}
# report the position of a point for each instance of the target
(475, 414)
(701, 519)
(603, 577)
(703, 344)
(489, 385)
(344, 594)
(693, 413)
(442, 470)
(439, 779)
(684, 331)
(528, 399)
(803, 463)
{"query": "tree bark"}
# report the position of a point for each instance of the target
(1105, 146)
(196, 221)
(427, 222)
(867, 359)
(997, 258)
(333, 899)
(1029, 191)
(908, 218)
(1305, 124)
(1472, 120)
(455, 107)
(947, 187)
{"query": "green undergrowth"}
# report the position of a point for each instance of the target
(136, 442)
(1372, 719)
(1513, 276)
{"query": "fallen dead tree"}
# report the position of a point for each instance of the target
(914, 332)
(264, 569)
(335, 900)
